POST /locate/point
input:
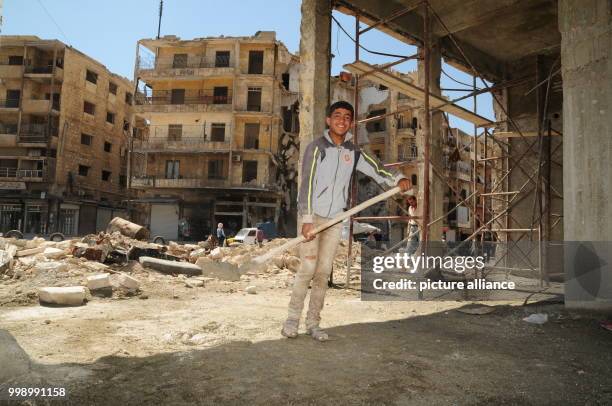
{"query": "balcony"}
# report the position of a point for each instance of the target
(24, 175)
(167, 101)
(195, 183)
(9, 105)
(35, 134)
(180, 145)
(39, 106)
(43, 72)
(194, 67)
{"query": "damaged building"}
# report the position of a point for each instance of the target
(215, 134)
(64, 126)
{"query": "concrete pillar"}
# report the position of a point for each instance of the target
(436, 186)
(586, 60)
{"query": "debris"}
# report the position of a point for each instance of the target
(54, 253)
(7, 252)
(51, 266)
(252, 290)
(196, 283)
(536, 318)
(99, 284)
(476, 309)
(220, 270)
(127, 228)
(30, 251)
(128, 282)
(65, 296)
(170, 267)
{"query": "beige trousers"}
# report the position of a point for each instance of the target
(317, 257)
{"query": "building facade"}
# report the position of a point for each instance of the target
(64, 130)
(214, 136)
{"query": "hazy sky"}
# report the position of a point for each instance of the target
(109, 33)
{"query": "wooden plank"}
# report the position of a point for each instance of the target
(514, 134)
(417, 93)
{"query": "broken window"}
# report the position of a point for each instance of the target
(175, 132)
(179, 61)
(215, 169)
(83, 170)
(413, 179)
(86, 139)
(106, 175)
(110, 117)
(249, 171)
(376, 125)
(112, 88)
(251, 136)
(13, 97)
(177, 96)
(220, 95)
(217, 132)
(128, 98)
(254, 99)
(108, 146)
(15, 60)
(256, 62)
(285, 79)
(89, 108)
(91, 77)
(172, 169)
(222, 59)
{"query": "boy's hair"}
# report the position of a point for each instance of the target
(340, 105)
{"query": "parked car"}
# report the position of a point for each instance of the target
(246, 236)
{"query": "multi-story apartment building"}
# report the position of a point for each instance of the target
(215, 117)
(393, 139)
(64, 127)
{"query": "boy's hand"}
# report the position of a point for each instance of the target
(307, 230)
(404, 184)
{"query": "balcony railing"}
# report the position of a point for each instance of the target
(8, 128)
(205, 182)
(41, 69)
(187, 144)
(36, 133)
(20, 173)
(164, 97)
(9, 103)
(192, 62)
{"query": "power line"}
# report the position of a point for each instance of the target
(54, 22)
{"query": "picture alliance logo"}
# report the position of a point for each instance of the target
(411, 263)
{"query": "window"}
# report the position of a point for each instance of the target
(251, 136)
(217, 132)
(177, 96)
(112, 88)
(249, 171)
(413, 179)
(179, 61)
(172, 169)
(175, 132)
(91, 77)
(126, 125)
(222, 59)
(256, 62)
(377, 125)
(285, 79)
(128, 98)
(15, 60)
(220, 95)
(108, 147)
(215, 169)
(86, 139)
(13, 97)
(83, 170)
(254, 99)
(106, 175)
(89, 108)
(110, 117)
(123, 181)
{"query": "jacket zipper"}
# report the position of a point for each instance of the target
(334, 184)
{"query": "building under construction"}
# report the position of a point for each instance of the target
(215, 132)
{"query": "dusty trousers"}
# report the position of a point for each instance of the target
(317, 257)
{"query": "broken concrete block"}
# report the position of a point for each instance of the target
(128, 282)
(65, 296)
(98, 281)
(252, 290)
(170, 267)
(127, 228)
(30, 251)
(95, 266)
(194, 283)
(217, 253)
(220, 270)
(7, 253)
(54, 253)
(197, 253)
(55, 266)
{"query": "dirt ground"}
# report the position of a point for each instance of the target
(219, 345)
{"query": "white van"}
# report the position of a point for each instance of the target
(246, 236)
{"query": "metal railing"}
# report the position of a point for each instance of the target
(20, 173)
(39, 69)
(8, 128)
(191, 62)
(164, 97)
(9, 103)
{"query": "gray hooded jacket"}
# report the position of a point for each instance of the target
(326, 175)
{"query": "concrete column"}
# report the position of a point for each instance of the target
(586, 60)
(436, 186)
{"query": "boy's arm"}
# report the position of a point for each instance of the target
(309, 172)
(369, 165)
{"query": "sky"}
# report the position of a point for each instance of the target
(109, 34)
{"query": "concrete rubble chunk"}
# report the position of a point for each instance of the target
(65, 296)
(55, 266)
(127, 228)
(99, 281)
(220, 270)
(7, 253)
(217, 253)
(170, 267)
(129, 282)
(252, 290)
(194, 283)
(95, 266)
(54, 253)
(30, 251)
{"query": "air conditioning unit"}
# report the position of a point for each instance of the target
(236, 158)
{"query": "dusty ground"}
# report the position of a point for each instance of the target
(219, 345)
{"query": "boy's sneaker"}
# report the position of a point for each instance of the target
(318, 334)
(290, 328)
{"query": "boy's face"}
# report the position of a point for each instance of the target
(340, 121)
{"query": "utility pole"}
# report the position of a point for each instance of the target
(161, 9)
